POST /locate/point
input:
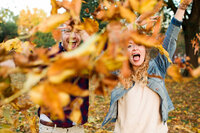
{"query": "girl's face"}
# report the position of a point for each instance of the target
(136, 53)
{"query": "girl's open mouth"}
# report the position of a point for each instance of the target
(136, 57)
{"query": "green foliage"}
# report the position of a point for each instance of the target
(88, 7)
(44, 40)
(7, 31)
(8, 26)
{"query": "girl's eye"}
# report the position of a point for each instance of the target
(129, 46)
(66, 30)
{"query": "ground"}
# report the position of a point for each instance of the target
(184, 119)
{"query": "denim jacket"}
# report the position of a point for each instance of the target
(158, 67)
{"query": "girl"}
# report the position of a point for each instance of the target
(144, 106)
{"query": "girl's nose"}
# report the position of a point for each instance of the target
(73, 35)
(134, 47)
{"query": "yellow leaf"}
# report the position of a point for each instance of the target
(142, 6)
(147, 5)
(62, 76)
(52, 22)
(12, 44)
(5, 130)
(135, 5)
(64, 98)
(32, 79)
(36, 94)
(54, 7)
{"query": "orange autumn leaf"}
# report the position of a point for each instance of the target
(71, 89)
(76, 115)
(55, 7)
(157, 27)
(174, 72)
(125, 70)
(51, 100)
(100, 90)
(56, 33)
(148, 14)
(51, 22)
(127, 14)
(66, 63)
(74, 7)
(91, 26)
(195, 72)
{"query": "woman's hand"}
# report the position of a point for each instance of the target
(184, 4)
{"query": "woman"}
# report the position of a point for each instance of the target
(144, 106)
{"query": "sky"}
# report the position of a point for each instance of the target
(17, 5)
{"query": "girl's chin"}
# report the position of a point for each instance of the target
(137, 63)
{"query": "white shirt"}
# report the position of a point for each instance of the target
(139, 112)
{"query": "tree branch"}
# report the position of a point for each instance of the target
(170, 4)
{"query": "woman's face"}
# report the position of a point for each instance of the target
(136, 53)
(70, 39)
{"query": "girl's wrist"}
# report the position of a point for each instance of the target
(183, 6)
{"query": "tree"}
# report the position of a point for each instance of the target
(8, 27)
(191, 26)
(27, 20)
(44, 40)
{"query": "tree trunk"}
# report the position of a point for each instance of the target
(191, 26)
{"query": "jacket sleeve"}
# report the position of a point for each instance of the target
(169, 45)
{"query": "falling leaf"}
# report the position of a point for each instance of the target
(52, 101)
(66, 68)
(174, 72)
(196, 72)
(54, 5)
(51, 22)
(127, 14)
(74, 7)
(75, 115)
(70, 88)
(91, 26)
(57, 35)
